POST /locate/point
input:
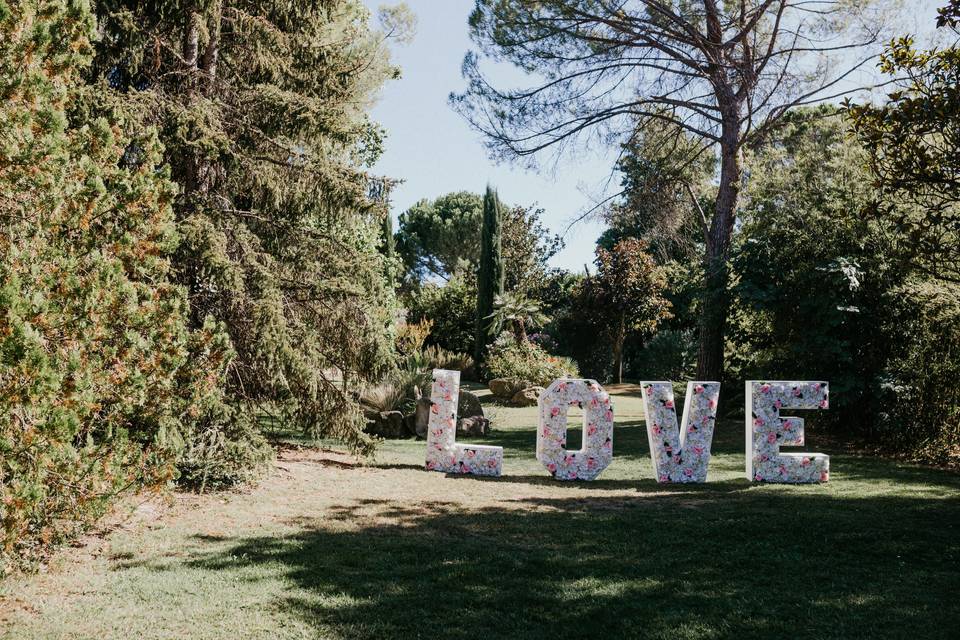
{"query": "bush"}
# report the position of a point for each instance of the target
(669, 355)
(453, 310)
(510, 359)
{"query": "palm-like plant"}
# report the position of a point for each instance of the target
(517, 312)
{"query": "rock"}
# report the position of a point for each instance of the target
(477, 426)
(421, 417)
(506, 388)
(410, 424)
(527, 397)
(387, 424)
(468, 405)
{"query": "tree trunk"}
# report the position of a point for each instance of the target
(618, 341)
(716, 300)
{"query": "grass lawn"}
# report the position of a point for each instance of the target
(327, 548)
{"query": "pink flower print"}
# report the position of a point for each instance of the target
(552, 468)
(688, 472)
(805, 462)
(758, 477)
(797, 392)
(698, 388)
(434, 408)
(569, 460)
(554, 412)
(787, 425)
(471, 453)
(608, 444)
(656, 429)
(771, 437)
(547, 433)
(712, 403)
(824, 476)
(677, 459)
(764, 388)
(591, 463)
(649, 390)
(491, 463)
(431, 465)
(698, 451)
(664, 478)
(448, 397)
(758, 422)
(777, 404)
(816, 386)
(592, 429)
(452, 423)
(562, 386)
(783, 470)
(668, 404)
(608, 415)
(824, 404)
(764, 458)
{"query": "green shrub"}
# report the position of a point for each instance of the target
(453, 310)
(510, 359)
(92, 334)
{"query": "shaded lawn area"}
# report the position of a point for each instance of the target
(329, 549)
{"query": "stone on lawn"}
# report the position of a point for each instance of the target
(387, 424)
(469, 405)
(421, 417)
(477, 426)
(527, 397)
(506, 388)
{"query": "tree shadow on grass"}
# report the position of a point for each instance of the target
(731, 561)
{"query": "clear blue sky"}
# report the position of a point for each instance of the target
(434, 151)
(432, 148)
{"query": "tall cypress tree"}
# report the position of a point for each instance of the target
(490, 274)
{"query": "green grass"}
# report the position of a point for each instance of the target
(330, 550)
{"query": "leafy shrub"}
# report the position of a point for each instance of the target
(92, 334)
(510, 359)
(669, 355)
(411, 336)
(453, 310)
(920, 409)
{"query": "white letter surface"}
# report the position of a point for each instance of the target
(597, 451)
(680, 455)
(767, 431)
(443, 452)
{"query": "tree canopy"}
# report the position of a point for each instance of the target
(724, 72)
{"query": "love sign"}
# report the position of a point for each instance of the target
(679, 450)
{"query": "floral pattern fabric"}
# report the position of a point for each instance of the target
(767, 431)
(680, 455)
(443, 452)
(597, 451)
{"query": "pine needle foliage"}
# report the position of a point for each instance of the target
(97, 389)
(262, 110)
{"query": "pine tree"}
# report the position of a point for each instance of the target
(490, 275)
(262, 111)
(93, 338)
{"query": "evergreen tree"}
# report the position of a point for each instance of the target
(262, 112)
(96, 387)
(490, 275)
